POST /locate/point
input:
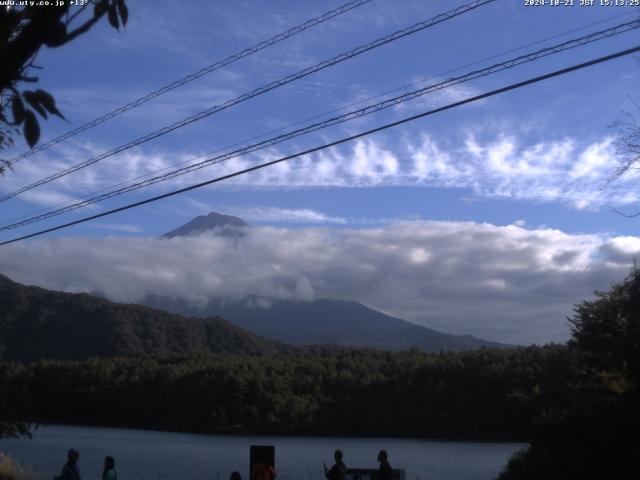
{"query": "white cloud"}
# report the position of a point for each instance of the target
(267, 213)
(561, 171)
(501, 283)
(117, 227)
(283, 215)
(89, 103)
(437, 98)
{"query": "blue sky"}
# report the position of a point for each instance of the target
(534, 161)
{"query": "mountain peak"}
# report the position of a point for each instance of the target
(217, 223)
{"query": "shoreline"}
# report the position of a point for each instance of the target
(236, 434)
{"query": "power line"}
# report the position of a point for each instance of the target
(189, 78)
(259, 91)
(88, 196)
(511, 63)
(498, 91)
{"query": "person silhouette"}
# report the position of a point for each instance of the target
(70, 469)
(385, 472)
(339, 470)
(109, 472)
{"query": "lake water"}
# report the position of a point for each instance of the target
(150, 455)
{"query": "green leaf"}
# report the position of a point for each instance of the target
(47, 101)
(123, 11)
(32, 99)
(113, 16)
(31, 128)
(17, 108)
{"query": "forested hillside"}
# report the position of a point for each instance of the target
(36, 323)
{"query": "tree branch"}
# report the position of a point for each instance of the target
(84, 28)
(72, 17)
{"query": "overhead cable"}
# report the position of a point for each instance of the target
(258, 91)
(450, 106)
(314, 117)
(367, 110)
(193, 76)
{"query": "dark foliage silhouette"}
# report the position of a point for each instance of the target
(24, 30)
(597, 433)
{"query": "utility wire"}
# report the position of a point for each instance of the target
(259, 91)
(491, 93)
(189, 78)
(314, 117)
(508, 64)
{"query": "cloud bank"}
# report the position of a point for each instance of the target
(503, 283)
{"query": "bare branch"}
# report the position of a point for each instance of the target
(627, 143)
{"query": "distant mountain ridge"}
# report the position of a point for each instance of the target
(319, 322)
(36, 323)
(223, 225)
(42, 324)
(326, 322)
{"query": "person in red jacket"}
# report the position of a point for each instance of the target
(262, 470)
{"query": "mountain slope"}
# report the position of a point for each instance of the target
(36, 323)
(320, 322)
(224, 225)
(326, 321)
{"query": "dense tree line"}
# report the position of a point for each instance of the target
(325, 391)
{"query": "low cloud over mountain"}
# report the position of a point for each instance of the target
(506, 284)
